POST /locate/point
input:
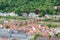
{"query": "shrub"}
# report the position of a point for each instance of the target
(7, 27)
(58, 35)
(49, 36)
(51, 25)
(36, 35)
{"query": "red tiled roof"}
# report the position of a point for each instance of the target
(28, 29)
(31, 33)
(11, 25)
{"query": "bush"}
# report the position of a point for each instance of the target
(58, 35)
(7, 27)
(51, 25)
(36, 35)
(46, 19)
(49, 36)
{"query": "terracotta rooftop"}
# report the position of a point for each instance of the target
(30, 28)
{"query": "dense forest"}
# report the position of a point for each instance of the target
(19, 6)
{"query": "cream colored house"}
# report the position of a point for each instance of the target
(8, 14)
(13, 14)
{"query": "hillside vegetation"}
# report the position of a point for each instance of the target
(19, 6)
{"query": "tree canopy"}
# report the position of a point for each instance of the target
(19, 6)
